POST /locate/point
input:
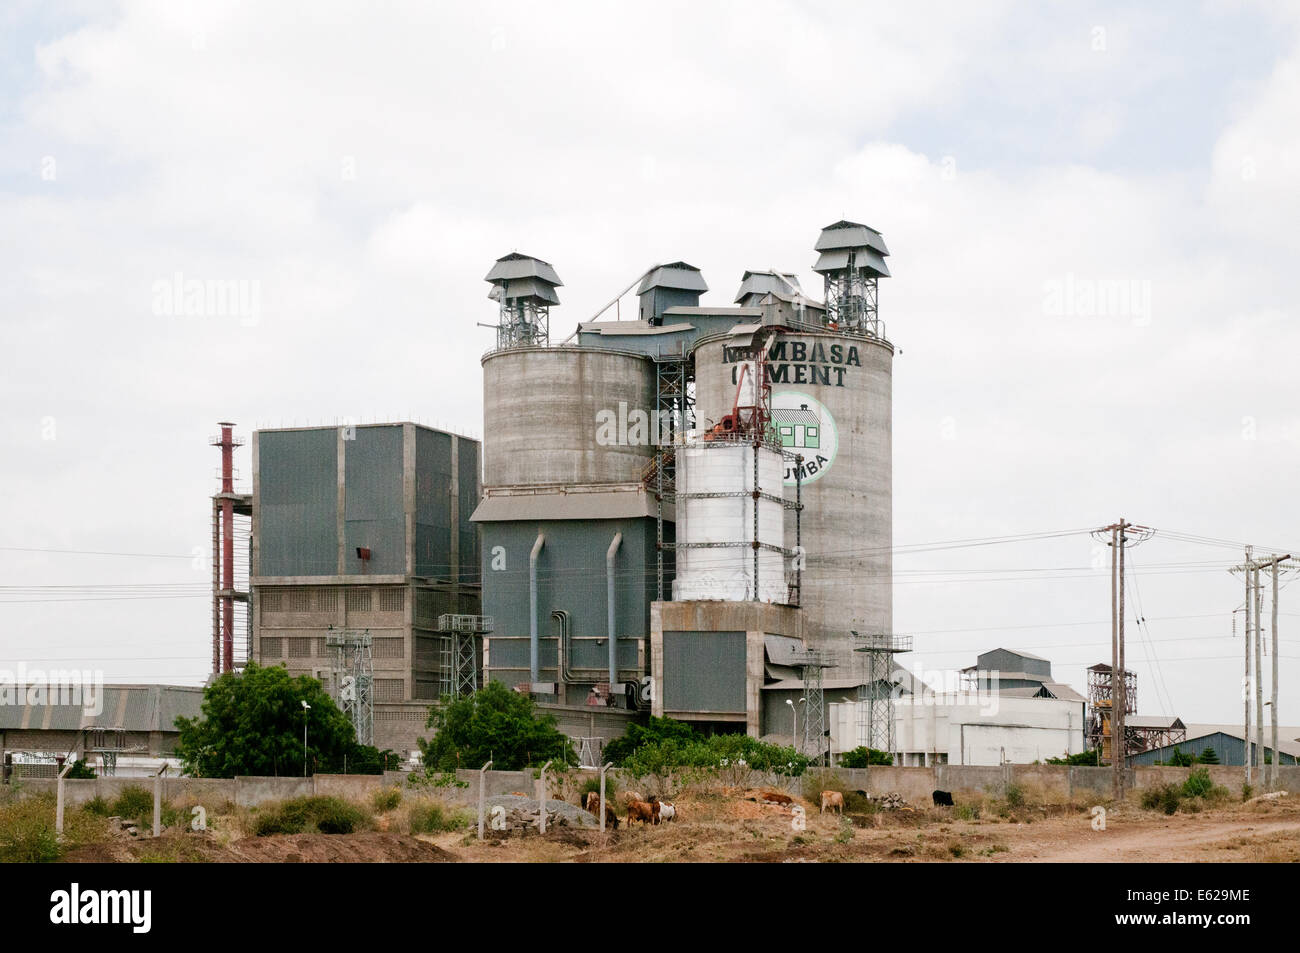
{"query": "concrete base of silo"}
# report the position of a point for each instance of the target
(707, 660)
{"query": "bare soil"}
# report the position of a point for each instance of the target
(737, 826)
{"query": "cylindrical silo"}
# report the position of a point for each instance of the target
(717, 525)
(567, 415)
(831, 402)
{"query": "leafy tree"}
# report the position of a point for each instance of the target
(1180, 759)
(656, 731)
(1209, 756)
(81, 771)
(862, 757)
(252, 724)
(495, 723)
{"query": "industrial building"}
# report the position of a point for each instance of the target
(130, 731)
(362, 552)
(1228, 743)
(689, 513)
(1008, 710)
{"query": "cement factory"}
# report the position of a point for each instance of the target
(686, 514)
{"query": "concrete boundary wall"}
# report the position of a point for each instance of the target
(915, 784)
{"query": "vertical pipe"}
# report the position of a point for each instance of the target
(534, 667)
(610, 629)
(216, 587)
(228, 547)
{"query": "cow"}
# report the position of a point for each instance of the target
(942, 798)
(775, 798)
(832, 799)
(641, 811)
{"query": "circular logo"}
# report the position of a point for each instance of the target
(807, 428)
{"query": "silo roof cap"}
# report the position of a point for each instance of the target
(514, 266)
(678, 275)
(762, 282)
(846, 234)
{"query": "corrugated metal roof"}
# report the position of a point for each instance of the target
(515, 266)
(761, 282)
(133, 707)
(606, 328)
(704, 311)
(1288, 739)
(616, 504)
(1153, 721)
(837, 259)
(845, 234)
(1064, 692)
(676, 275)
(782, 649)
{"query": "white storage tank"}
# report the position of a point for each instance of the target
(716, 530)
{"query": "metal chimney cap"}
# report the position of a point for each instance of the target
(846, 234)
(678, 275)
(513, 266)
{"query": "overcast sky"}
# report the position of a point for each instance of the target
(361, 166)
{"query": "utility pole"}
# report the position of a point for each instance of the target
(1250, 568)
(1122, 535)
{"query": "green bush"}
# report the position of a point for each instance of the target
(99, 806)
(134, 803)
(1198, 783)
(385, 799)
(1247, 791)
(1163, 797)
(430, 817)
(966, 812)
(311, 815)
(1014, 795)
(27, 832)
(592, 785)
(497, 724)
(657, 731)
(862, 757)
(80, 771)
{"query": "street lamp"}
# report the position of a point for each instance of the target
(794, 714)
(305, 708)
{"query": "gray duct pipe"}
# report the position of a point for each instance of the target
(533, 663)
(609, 600)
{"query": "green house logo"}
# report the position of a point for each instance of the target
(805, 427)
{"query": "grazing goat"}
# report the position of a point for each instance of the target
(640, 811)
(943, 798)
(775, 798)
(832, 799)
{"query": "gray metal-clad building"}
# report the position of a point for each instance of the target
(365, 528)
(1228, 742)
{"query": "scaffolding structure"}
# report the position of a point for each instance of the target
(876, 693)
(815, 736)
(851, 262)
(1101, 694)
(459, 641)
(675, 415)
(353, 678)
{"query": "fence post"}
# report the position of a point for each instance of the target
(58, 799)
(602, 795)
(482, 782)
(541, 799)
(157, 800)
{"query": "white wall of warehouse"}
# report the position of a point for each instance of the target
(990, 730)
